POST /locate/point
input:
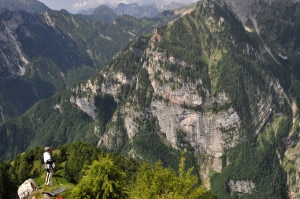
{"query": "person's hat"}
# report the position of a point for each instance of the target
(47, 148)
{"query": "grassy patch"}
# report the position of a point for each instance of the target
(57, 182)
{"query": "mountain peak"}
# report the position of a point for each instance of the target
(31, 6)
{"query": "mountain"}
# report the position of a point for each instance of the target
(31, 6)
(137, 11)
(148, 11)
(276, 24)
(103, 13)
(223, 89)
(137, 26)
(134, 10)
(273, 27)
(42, 54)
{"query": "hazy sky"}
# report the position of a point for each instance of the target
(76, 5)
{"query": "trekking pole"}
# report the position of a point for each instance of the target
(56, 179)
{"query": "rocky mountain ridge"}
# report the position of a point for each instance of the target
(78, 43)
(39, 66)
(135, 10)
(30, 6)
(208, 132)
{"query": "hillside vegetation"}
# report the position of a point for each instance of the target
(86, 172)
(46, 52)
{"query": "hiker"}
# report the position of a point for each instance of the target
(49, 166)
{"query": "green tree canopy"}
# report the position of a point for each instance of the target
(103, 180)
(164, 183)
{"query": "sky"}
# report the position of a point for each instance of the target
(74, 6)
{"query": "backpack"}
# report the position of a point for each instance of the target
(27, 188)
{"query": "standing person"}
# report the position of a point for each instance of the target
(49, 165)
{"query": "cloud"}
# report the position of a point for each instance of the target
(80, 5)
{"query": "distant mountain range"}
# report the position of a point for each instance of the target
(44, 51)
(136, 10)
(133, 9)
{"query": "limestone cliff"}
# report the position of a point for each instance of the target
(183, 114)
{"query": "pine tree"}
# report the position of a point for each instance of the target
(163, 183)
(103, 180)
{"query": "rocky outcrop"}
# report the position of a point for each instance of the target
(241, 186)
(207, 133)
(84, 98)
(14, 64)
(291, 162)
(112, 83)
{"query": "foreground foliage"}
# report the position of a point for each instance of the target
(158, 182)
(95, 174)
(103, 179)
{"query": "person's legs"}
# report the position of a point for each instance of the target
(49, 177)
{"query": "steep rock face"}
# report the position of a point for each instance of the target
(16, 62)
(86, 102)
(281, 43)
(208, 123)
(291, 161)
(206, 132)
(292, 165)
(185, 94)
(266, 104)
(203, 130)
(263, 17)
(112, 82)
(247, 9)
(115, 138)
